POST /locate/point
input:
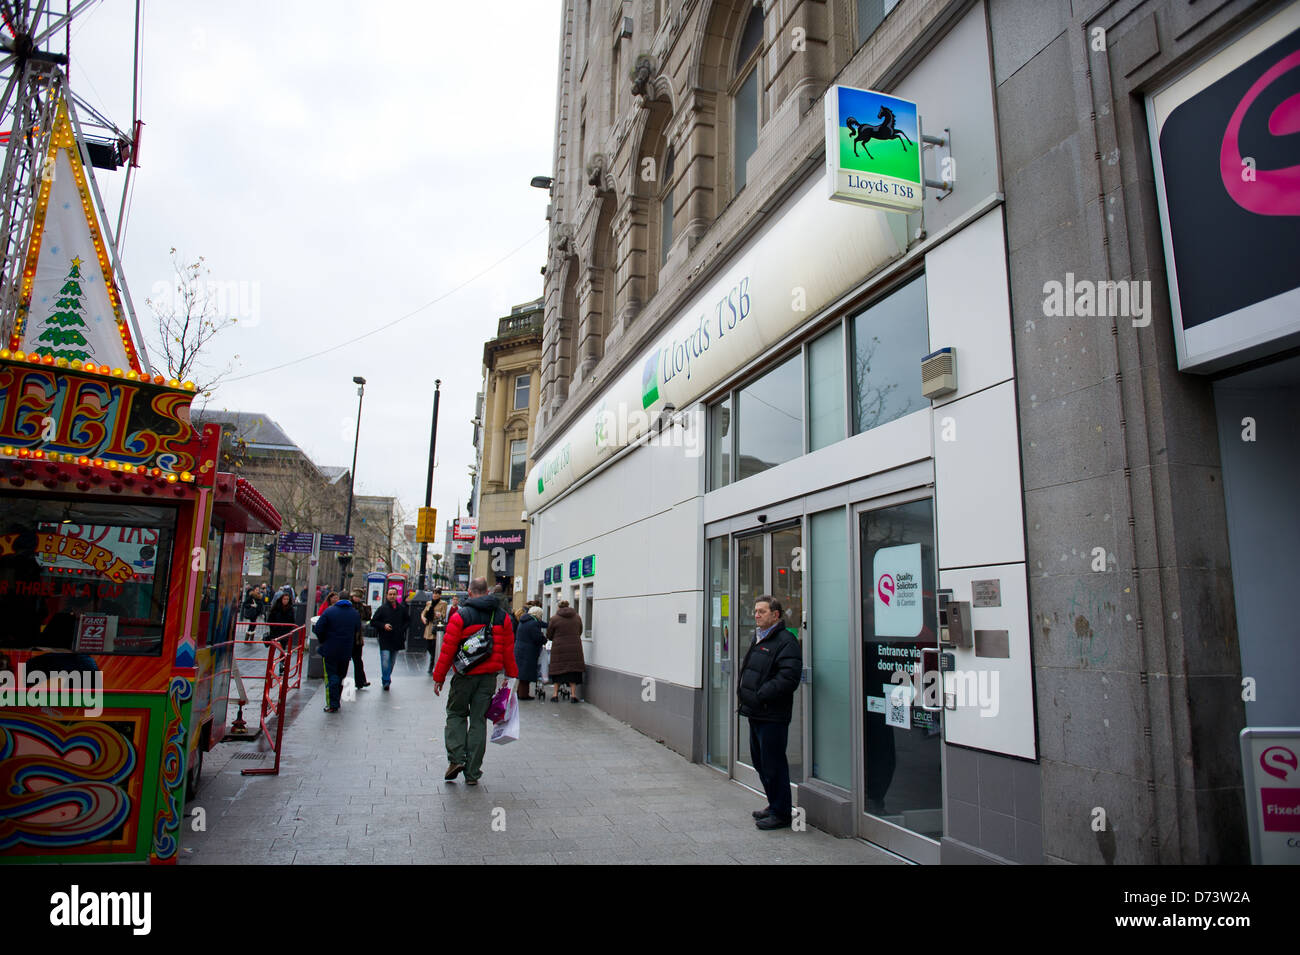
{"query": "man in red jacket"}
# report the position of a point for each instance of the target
(472, 691)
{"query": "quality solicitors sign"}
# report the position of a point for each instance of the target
(806, 256)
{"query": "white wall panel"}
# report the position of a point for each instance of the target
(966, 288)
(641, 636)
(977, 480)
(1009, 726)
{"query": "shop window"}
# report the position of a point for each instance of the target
(745, 97)
(84, 577)
(769, 415)
(720, 441)
(872, 13)
(518, 462)
(521, 391)
(889, 340)
(826, 394)
(832, 702)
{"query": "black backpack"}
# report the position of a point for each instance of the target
(476, 648)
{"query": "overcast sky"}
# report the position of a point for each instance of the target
(349, 164)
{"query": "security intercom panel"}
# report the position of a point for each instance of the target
(954, 621)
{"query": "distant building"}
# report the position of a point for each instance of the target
(503, 433)
(311, 498)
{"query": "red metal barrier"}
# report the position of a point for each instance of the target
(283, 655)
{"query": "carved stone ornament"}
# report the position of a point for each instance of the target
(598, 174)
(641, 73)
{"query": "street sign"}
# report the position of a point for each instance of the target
(426, 525)
(295, 543)
(345, 543)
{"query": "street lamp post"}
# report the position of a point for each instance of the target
(344, 562)
(428, 489)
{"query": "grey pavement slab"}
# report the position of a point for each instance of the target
(364, 786)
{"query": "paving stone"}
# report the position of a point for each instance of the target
(579, 787)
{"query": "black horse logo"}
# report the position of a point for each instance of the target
(862, 133)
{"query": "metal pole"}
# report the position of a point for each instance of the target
(428, 488)
(352, 480)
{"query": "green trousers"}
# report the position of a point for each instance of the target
(468, 699)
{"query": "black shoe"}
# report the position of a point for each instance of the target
(385, 686)
(331, 709)
(453, 770)
(362, 686)
(762, 813)
(772, 822)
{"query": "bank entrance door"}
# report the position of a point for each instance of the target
(768, 562)
(901, 800)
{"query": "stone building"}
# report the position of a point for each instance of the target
(511, 376)
(311, 498)
(732, 404)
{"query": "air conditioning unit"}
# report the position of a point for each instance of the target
(939, 373)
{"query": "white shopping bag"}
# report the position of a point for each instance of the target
(349, 690)
(507, 731)
(544, 664)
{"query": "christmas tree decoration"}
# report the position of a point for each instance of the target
(71, 305)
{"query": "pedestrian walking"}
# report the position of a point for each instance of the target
(336, 629)
(769, 677)
(391, 621)
(359, 645)
(432, 618)
(254, 607)
(475, 680)
(567, 663)
(328, 602)
(281, 617)
(528, 647)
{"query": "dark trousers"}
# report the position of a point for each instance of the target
(767, 743)
(334, 670)
(358, 670)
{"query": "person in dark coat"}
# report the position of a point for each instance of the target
(567, 663)
(358, 668)
(282, 619)
(528, 647)
(336, 629)
(390, 621)
(769, 677)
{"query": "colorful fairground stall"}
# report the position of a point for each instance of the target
(120, 553)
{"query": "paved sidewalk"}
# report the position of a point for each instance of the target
(365, 786)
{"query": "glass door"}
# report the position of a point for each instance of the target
(902, 739)
(769, 562)
(721, 699)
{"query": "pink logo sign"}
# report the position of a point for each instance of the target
(1273, 192)
(885, 589)
(1273, 759)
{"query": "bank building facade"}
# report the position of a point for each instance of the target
(1020, 542)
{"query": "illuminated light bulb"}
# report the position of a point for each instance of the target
(99, 462)
(4, 352)
(173, 383)
(19, 356)
(132, 376)
(171, 478)
(188, 385)
(117, 372)
(112, 465)
(156, 472)
(187, 476)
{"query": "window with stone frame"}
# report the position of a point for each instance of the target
(518, 462)
(666, 206)
(746, 97)
(522, 383)
(871, 13)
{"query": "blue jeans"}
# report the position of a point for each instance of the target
(386, 660)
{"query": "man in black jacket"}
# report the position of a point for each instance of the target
(768, 679)
(390, 622)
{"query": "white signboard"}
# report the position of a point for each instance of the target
(1270, 762)
(896, 576)
(822, 249)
